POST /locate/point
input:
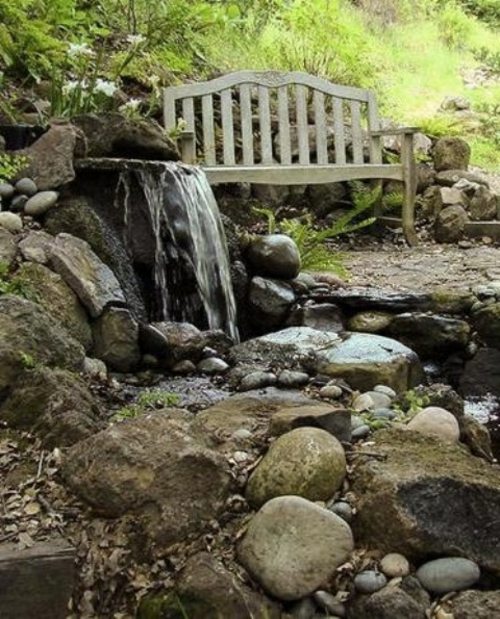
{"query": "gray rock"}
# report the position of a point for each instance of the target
(363, 402)
(92, 281)
(369, 581)
(212, 365)
(402, 601)
(6, 191)
(450, 224)
(257, 380)
(336, 421)
(8, 247)
(483, 205)
(361, 432)
(274, 255)
(173, 341)
(395, 565)
(383, 413)
(329, 603)
(370, 322)
(448, 178)
(436, 421)
(385, 389)
(455, 104)
(11, 221)
(36, 246)
(448, 574)
(27, 187)
(451, 196)
(116, 339)
(95, 368)
(451, 154)
(184, 367)
(270, 300)
(330, 392)
(475, 605)
(307, 462)
(18, 203)
(323, 316)
(342, 509)
(481, 374)
(293, 546)
(41, 203)
(289, 378)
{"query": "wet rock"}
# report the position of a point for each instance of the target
(212, 365)
(394, 565)
(336, 421)
(370, 322)
(369, 581)
(451, 154)
(292, 546)
(8, 247)
(342, 509)
(55, 404)
(10, 221)
(26, 186)
(324, 317)
(435, 421)
(28, 334)
(487, 323)
(378, 299)
(274, 255)
(41, 203)
(475, 605)
(57, 298)
(443, 396)
(425, 491)
(391, 602)
(36, 246)
(271, 301)
(154, 470)
(116, 339)
(483, 205)
(307, 462)
(450, 224)
(448, 574)
(51, 157)
(92, 281)
(257, 380)
(172, 341)
(289, 378)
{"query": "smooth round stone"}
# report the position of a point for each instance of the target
(26, 186)
(380, 400)
(11, 221)
(241, 434)
(257, 380)
(342, 509)
(385, 390)
(332, 392)
(369, 581)
(363, 402)
(41, 203)
(448, 574)
(383, 413)
(356, 422)
(289, 378)
(361, 432)
(184, 367)
(18, 203)
(395, 565)
(436, 421)
(212, 365)
(6, 191)
(329, 603)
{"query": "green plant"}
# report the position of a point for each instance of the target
(14, 284)
(11, 165)
(410, 403)
(392, 201)
(455, 25)
(28, 361)
(441, 125)
(150, 399)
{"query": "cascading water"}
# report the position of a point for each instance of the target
(191, 264)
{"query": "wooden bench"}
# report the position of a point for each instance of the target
(286, 129)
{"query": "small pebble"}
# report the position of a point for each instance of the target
(11, 221)
(356, 422)
(184, 367)
(329, 603)
(380, 400)
(332, 392)
(289, 378)
(385, 390)
(41, 203)
(448, 574)
(369, 581)
(363, 402)
(27, 187)
(257, 380)
(342, 509)
(394, 565)
(6, 191)
(212, 365)
(383, 413)
(18, 203)
(361, 432)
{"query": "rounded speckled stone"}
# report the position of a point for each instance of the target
(307, 462)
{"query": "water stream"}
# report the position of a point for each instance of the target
(191, 264)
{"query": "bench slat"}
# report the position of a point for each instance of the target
(374, 125)
(320, 121)
(227, 127)
(302, 124)
(266, 145)
(357, 137)
(246, 124)
(207, 109)
(189, 145)
(338, 131)
(284, 125)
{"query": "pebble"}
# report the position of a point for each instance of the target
(380, 400)
(212, 365)
(11, 221)
(369, 581)
(41, 203)
(363, 402)
(26, 186)
(332, 392)
(385, 390)
(184, 367)
(361, 432)
(241, 434)
(6, 191)
(356, 422)
(289, 378)
(395, 565)
(18, 203)
(329, 603)
(383, 413)
(342, 509)
(257, 380)
(448, 574)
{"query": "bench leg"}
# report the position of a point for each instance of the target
(410, 182)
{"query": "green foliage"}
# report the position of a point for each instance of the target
(11, 165)
(392, 201)
(454, 25)
(486, 10)
(14, 284)
(441, 125)
(28, 361)
(150, 399)
(488, 57)
(411, 403)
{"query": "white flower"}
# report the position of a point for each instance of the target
(80, 49)
(132, 104)
(107, 88)
(135, 39)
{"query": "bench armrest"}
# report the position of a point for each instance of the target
(395, 131)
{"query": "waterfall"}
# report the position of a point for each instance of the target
(191, 264)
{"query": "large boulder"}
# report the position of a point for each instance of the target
(92, 281)
(450, 224)
(56, 404)
(433, 497)
(274, 255)
(475, 605)
(307, 462)
(292, 546)
(451, 154)
(29, 335)
(116, 339)
(113, 135)
(57, 298)
(153, 470)
(173, 341)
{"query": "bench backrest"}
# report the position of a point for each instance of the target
(294, 114)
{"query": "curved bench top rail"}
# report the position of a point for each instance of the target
(270, 79)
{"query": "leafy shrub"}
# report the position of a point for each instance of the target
(149, 399)
(441, 125)
(489, 58)
(13, 284)
(11, 165)
(455, 26)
